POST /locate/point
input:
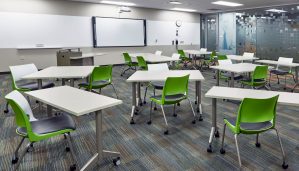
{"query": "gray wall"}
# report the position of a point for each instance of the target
(47, 57)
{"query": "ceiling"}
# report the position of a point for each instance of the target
(202, 6)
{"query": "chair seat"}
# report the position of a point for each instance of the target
(279, 72)
(170, 99)
(34, 85)
(158, 85)
(228, 75)
(95, 84)
(50, 125)
(259, 126)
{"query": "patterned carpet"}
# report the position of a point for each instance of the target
(145, 147)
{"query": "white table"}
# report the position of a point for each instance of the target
(195, 53)
(61, 72)
(292, 65)
(240, 58)
(234, 68)
(285, 98)
(153, 58)
(79, 102)
(148, 76)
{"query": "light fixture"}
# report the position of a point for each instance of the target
(226, 3)
(276, 10)
(175, 2)
(184, 9)
(118, 3)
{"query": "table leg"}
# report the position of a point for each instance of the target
(217, 77)
(232, 79)
(63, 81)
(40, 86)
(134, 104)
(214, 129)
(198, 99)
(49, 110)
(100, 152)
(139, 100)
(296, 74)
(72, 82)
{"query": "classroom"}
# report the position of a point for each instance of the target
(158, 85)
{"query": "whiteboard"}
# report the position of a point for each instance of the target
(164, 32)
(23, 30)
(111, 32)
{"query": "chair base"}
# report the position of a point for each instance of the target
(222, 151)
(132, 121)
(166, 132)
(258, 145)
(284, 165)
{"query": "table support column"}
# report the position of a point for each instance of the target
(40, 86)
(49, 110)
(198, 99)
(232, 79)
(214, 129)
(139, 101)
(72, 82)
(134, 104)
(217, 77)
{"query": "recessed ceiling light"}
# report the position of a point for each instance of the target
(276, 10)
(226, 3)
(118, 3)
(184, 9)
(175, 2)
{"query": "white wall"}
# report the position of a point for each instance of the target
(47, 57)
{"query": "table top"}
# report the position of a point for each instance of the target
(197, 52)
(285, 98)
(153, 58)
(278, 63)
(87, 55)
(72, 100)
(236, 68)
(146, 76)
(241, 58)
(67, 72)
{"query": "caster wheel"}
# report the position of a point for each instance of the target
(132, 121)
(149, 122)
(175, 115)
(222, 151)
(36, 101)
(209, 149)
(284, 165)
(200, 118)
(14, 160)
(195, 102)
(140, 104)
(178, 104)
(116, 161)
(166, 132)
(6, 111)
(217, 135)
(155, 108)
(193, 122)
(144, 102)
(73, 167)
(67, 149)
(258, 145)
(30, 149)
(121, 75)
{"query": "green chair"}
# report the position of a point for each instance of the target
(211, 60)
(258, 78)
(38, 130)
(100, 77)
(184, 58)
(174, 91)
(141, 63)
(255, 116)
(128, 61)
(221, 57)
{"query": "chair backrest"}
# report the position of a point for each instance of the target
(284, 60)
(158, 52)
(213, 53)
(101, 73)
(182, 53)
(257, 110)
(158, 67)
(127, 58)
(141, 62)
(260, 72)
(19, 71)
(175, 56)
(175, 85)
(203, 49)
(225, 62)
(247, 54)
(221, 57)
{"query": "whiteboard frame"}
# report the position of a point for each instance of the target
(94, 32)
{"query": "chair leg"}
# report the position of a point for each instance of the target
(238, 152)
(277, 79)
(114, 90)
(70, 145)
(150, 121)
(16, 155)
(144, 102)
(194, 120)
(6, 108)
(294, 78)
(222, 151)
(166, 131)
(257, 144)
(22, 156)
(284, 165)
(124, 71)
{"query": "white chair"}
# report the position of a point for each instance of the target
(176, 56)
(158, 53)
(279, 72)
(203, 49)
(247, 54)
(162, 67)
(18, 72)
(225, 62)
